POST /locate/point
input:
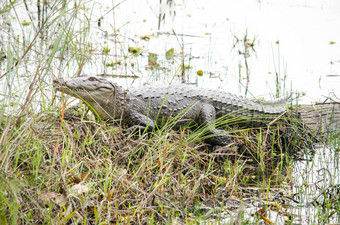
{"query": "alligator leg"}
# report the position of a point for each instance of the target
(138, 122)
(207, 117)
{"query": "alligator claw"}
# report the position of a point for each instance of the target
(220, 152)
(134, 130)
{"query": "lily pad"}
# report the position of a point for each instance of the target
(145, 37)
(169, 55)
(106, 50)
(26, 23)
(134, 50)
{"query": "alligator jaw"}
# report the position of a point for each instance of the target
(96, 92)
(84, 86)
(59, 84)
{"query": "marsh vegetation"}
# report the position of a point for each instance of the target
(59, 164)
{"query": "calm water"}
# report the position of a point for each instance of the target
(307, 56)
(305, 30)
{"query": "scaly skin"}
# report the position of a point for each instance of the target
(146, 105)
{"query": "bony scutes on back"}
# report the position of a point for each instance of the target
(143, 106)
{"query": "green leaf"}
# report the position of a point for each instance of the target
(169, 55)
(134, 50)
(199, 72)
(26, 23)
(106, 50)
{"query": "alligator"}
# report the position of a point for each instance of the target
(145, 107)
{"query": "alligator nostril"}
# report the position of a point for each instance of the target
(58, 80)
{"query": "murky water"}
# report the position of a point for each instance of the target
(264, 47)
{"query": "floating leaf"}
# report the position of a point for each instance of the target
(332, 42)
(145, 37)
(187, 67)
(26, 23)
(134, 50)
(169, 55)
(199, 72)
(112, 64)
(277, 42)
(106, 50)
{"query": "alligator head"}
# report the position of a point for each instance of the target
(98, 93)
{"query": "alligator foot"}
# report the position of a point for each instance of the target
(220, 138)
(220, 152)
(137, 130)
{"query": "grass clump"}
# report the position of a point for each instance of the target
(74, 169)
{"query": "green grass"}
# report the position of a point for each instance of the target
(105, 177)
